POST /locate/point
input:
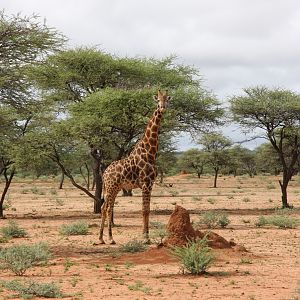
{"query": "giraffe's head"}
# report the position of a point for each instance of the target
(162, 100)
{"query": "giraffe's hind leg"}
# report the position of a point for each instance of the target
(107, 214)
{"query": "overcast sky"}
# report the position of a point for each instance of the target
(233, 43)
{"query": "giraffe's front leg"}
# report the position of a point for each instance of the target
(146, 211)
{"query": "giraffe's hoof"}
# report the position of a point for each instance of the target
(112, 242)
(101, 241)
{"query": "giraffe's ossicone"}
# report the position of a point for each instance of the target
(138, 170)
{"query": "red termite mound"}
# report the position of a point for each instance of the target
(180, 230)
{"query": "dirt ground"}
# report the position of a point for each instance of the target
(270, 269)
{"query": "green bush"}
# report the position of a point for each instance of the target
(19, 258)
(79, 228)
(12, 230)
(281, 221)
(196, 256)
(30, 289)
(134, 246)
(212, 219)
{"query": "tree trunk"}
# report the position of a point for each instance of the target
(97, 174)
(216, 177)
(8, 180)
(284, 196)
(62, 179)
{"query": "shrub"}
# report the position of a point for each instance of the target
(79, 228)
(31, 288)
(212, 219)
(134, 246)
(284, 221)
(223, 220)
(12, 230)
(19, 258)
(281, 221)
(195, 257)
(262, 221)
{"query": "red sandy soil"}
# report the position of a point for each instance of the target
(269, 269)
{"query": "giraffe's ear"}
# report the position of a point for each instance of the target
(155, 98)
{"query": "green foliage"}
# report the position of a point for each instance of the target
(32, 289)
(13, 230)
(159, 233)
(193, 159)
(213, 219)
(19, 258)
(277, 113)
(196, 256)
(281, 221)
(134, 246)
(78, 228)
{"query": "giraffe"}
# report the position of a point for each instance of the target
(135, 171)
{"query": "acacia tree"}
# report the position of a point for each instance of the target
(242, 159)
(24, 41)
(194, 159)
(277, 113)
(216, 146)
(267, 160)
(108, 100)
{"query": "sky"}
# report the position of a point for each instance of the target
(233, 43)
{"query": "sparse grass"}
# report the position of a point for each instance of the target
(246, 199)
(78, 228)
(59, 202)
(211, 200)
(246, 261)
(159, 234)
(19, 258)
(134, 246)
(196, 256)
(281, 221)
(13, 230)
(212, 219)
(30, 289)
(271, 186)
(139, 286)
(68, 264)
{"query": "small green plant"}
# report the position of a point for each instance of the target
(19, 258)
(13, 230)
(212, 219)
(134, 246)
(53, 191)
(59, 202)
(211, 200)
(78, 228)
(139, 286)
(196, 256)
(159, 233)
(246, 261)
(30, 289)
(246, 199)
(223, 220)
(271, 186)
(68, 264)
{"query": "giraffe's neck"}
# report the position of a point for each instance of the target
(149, 141)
